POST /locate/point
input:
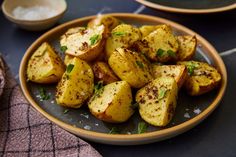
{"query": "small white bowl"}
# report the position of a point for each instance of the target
(34, 25)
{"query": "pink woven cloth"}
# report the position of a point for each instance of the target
(24, 132)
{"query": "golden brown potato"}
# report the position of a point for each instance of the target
(103, 72)
(84, 43)
(108, 21)
(202, 77)
(68, 59)
(112, 103)
(157, 101)
(160, 45)
(147, 29)
(76, 85)
(187, 47)
(178, 72)
(122, 36)
(131, 67)
(45, 66)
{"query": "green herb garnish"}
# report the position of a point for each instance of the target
(171, 53)
(98, 86)
(160, 52)
(66, 111)
(191, 67)
(43, 94)
(94, 39)
(140, 64)
(118, 33)
(64, 48)
(142, 127)
(114, 130)
(69, 68)
(134, 105)
(162, 93)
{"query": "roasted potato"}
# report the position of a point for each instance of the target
(103, 73)
(84, 43)
(45, 66)
(108, 21)
(112, 103)
(68, 59)
(122, 36)
(157, 101)
(147, 29)
(178, 72)
(202, 77)
(187, 47)
(160, 45)
(76, 85)
(131, 67)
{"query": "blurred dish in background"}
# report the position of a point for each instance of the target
(190, 6)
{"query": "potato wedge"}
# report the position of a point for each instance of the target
(131, 67)
(147, 29)
(157, 101)
(122, 36)
(76, 85)
(160, 45)
(103, 73)
(108, 21)
(187, 47)
(202, 77)
(178, 72)
(84, 43)
(112, 103)
(45, 66)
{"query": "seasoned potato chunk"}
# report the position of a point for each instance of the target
(131, 67)
(187, 47)
(157, 101)
(178, 72)
(112, 103)
(103, 72)
(45, 66)
(160, 45)
(76, 85)
(147, 29)
(122, 36)
(108, 21)
(84, 43)
(202, 77)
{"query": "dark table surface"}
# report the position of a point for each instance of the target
(216, 136)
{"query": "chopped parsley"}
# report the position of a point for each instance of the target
(94, 39)
(118, 33)
(43, 94)
(142, 127)
(134, 105)
(160, 52)
(69, 68)
(162, 93)
(140, 64)
(64, 48)
(191, 67)
(66, 111)
(98, 86)
(171, 53)
(114, 130)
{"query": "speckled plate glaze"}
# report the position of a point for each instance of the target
(190, 110)
(190, 6)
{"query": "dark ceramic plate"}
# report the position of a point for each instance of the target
(190, 110)
(191, 6)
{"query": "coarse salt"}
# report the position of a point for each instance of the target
(186, 115)
(87, 127)
(197, 111)
(33, 13)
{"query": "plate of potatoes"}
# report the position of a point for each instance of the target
(123, 79)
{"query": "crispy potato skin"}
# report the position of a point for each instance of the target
(112, 103)
(130, 66)
(103, 72)
(203, 79)
(157, 101)
(78, 41)
(187, 47)
(122, 36)
(178, 72)
(160, 39)
(45, 66)
(75, 86)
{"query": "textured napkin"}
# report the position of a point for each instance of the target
(24, 132)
